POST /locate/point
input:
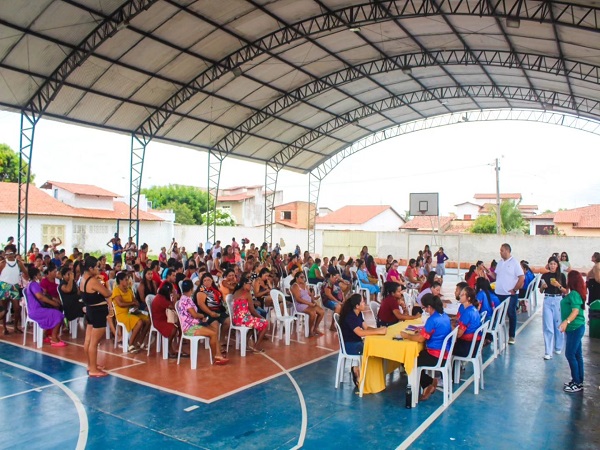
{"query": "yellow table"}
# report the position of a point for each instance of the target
(378, 348)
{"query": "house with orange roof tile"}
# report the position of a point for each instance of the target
(584, 221)
(361, 217)
(428, 224)
(81, 215)
(246, 204)
(293, 214)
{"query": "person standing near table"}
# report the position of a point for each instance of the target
(509, 279)
(553, 285)
(433, 334)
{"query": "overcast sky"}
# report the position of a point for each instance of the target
(551, 166)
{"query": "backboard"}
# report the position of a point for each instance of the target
(424, 204)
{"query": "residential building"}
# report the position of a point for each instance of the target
(293, 214)
(246, 204)
(428, 224)
(583, 221)
(467, 211)
(542, 224)
(361, 217)
(81, 215)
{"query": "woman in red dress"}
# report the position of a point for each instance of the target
(160, 304)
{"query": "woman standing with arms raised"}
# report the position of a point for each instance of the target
(94, 294)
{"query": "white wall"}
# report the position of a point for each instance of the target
(467, 209)
(82, 201)
(386, 221)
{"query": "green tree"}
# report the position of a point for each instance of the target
(511, 219)
(222, 218)
(9, 165)
(183, 213)
(185, 200)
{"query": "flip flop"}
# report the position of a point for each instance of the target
(58, 344)
(98, 375)
(254, 350)
(221, 361)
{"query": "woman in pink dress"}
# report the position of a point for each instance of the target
(244, 314)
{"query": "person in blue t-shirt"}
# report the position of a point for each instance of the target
(468, 321)
(486, 297)
(433, 334)
(354, 328)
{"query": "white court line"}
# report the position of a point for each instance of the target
(438, 412)
(304, 423)
(83, 420)
(40, 388)
(191, 408)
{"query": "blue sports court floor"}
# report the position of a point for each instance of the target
(48, 402)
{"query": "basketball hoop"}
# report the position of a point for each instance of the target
(424, 204)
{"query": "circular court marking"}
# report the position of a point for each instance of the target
(83, 419)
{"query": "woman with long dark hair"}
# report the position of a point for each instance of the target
(354, 328)
(554, 286)
(486, 297)
(468, 320)
(433, 334)
(244, 313)
(393, 309)
(94, 294)
(573, 325)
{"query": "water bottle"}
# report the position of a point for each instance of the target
(408, 397)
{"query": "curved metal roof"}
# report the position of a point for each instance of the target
(292, 82)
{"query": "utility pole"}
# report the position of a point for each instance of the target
(498, 218)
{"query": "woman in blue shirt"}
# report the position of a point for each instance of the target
(363, 278)
(486, 297)
(433, 334)
(468, 320)
(354, 328)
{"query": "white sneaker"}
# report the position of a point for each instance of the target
(511, 341)
(547, 357)
(558, 352)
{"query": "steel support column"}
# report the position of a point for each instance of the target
(215, 163)
(314, 187)
(271, 175)
(28, 123)
(136, 171)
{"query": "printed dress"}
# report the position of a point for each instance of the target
(243, 318)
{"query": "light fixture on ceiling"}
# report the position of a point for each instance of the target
(354, 29)
(513, 22)
(407, 71)
(236, 71)
(122, 25)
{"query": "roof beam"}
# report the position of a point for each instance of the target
(104, 30)
(426, 95)
(578, 123)
(579, 16)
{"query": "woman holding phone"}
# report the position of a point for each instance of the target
(554, 286)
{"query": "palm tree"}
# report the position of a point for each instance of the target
(510, 217)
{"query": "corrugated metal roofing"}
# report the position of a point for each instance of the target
(249, 78)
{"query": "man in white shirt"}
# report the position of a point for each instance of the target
(509, 279)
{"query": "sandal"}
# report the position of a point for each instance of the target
(354, 376)
(132, 349)
(98, 375)
(221, 361)
(255, 350)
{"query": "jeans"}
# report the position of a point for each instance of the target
(440, 269)
(573, 353)
(511, 313)
(551, 321)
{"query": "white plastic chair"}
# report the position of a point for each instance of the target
(535, 292)
(342, 355)
(496, 328)
(282, 318)
(241, 331)
(473, 358)
(111, 284)
(194, 341)
(444, 369)
(38, 332)
(529, 295)
(124, 332)
(302, 319)
(374, 309)
(160, 339)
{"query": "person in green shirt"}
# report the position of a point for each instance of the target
(573, 325)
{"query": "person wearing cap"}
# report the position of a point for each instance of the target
(434, 332)
(389, 311)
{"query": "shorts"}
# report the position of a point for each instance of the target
(354, 348)
(191, 331)
(330, 304)
(96, 315)
(10, 291)
(221, 319)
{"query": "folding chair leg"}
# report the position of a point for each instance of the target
(194, 354)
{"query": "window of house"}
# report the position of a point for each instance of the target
(55, 193)
(286, 215)
(544, 229)
(52, 231)
(467, 217)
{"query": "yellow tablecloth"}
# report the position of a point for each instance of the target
(378, 348)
